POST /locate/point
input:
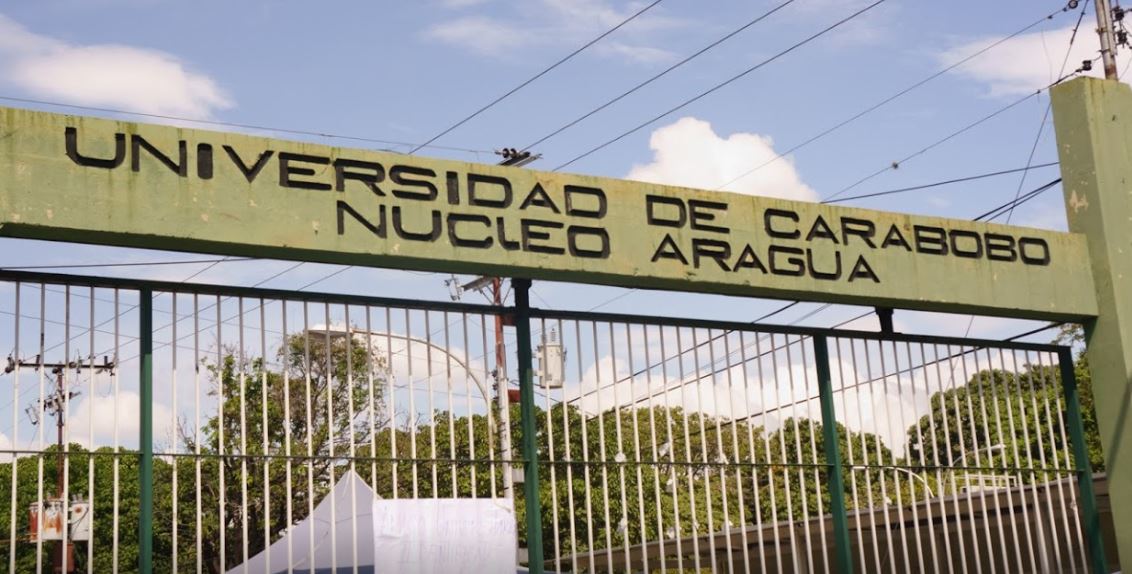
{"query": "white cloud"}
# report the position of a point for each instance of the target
(106, 414)
(545, 23)
(137, 79)
(689, 153)
(641, 54)
(1027, 62)
(487, 36)
(462, 3)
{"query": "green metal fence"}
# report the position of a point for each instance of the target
(205, 427)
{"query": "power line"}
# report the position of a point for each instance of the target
(889, 99)
(133, 264)
(1049, 107)
(997, 212)
(535, 77)
(665, 72)
(940, 183)
(236, 125)
(727, 82)
(1009, 206)
(900, 162)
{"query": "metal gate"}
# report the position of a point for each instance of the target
(201, 424)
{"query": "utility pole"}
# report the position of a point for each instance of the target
(1108, 38)
(55, 405)
(511, 158)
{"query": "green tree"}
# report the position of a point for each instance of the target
(279, 435)
(1008, 419)
(79, 464)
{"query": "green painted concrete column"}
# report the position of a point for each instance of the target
(530, 440)
(145, 433)
(1093, 120)
(1090, 517)
(831, 442)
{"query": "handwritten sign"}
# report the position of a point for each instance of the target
(446, 535)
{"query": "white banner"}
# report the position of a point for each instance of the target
(447, 535)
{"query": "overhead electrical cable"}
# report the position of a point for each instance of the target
(993, 214)
(893, 97)
(238, 125)
(900, 162)
(1009, 206)
(1049, 108)
(130, 264)
(659, 75)
(1038, 136)
(941, 183)
(725, 83)
(535, 77)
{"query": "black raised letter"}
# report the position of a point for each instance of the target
(375, 175)
(573, 210)
(286, 170)
(769, 216)
(427, 192)
(251, 172)
(179, 167)
(71, 136)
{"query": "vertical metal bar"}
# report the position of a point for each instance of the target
(833, 457)
(117, 437)
(688, 466)
(896, 491)
(172, 391)
(329, 373)
(90, 440)
(39, 459)
(285, 354)
(145, 433)
(657, 468)
(737, 458)
(822, 545)
(807, 556)
(604, 460)
(527, 410)
(619, 457)
(350, 428)
(242, 366)
(264, 428)
(15, 434)
(64, 385)
(1077, 540)
(222, 446)
(1043, 438)
(568, 456)
(550, 453)
(390, 397)
(585, 451)
(753, 453)
(850, 458)
(1088, 503)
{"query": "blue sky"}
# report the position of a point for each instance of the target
(404, 71)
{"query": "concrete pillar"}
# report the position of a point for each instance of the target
(1093, 120)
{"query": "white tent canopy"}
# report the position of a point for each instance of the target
(308, 547)
(444, 535)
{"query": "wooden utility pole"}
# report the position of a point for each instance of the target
(1108, 38)
(55, 405)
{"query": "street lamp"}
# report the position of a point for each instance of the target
(927, 486)
(505, 418)
(340, 332)
(988, 449)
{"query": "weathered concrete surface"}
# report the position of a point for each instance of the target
(1094, 139)
(239, 195)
